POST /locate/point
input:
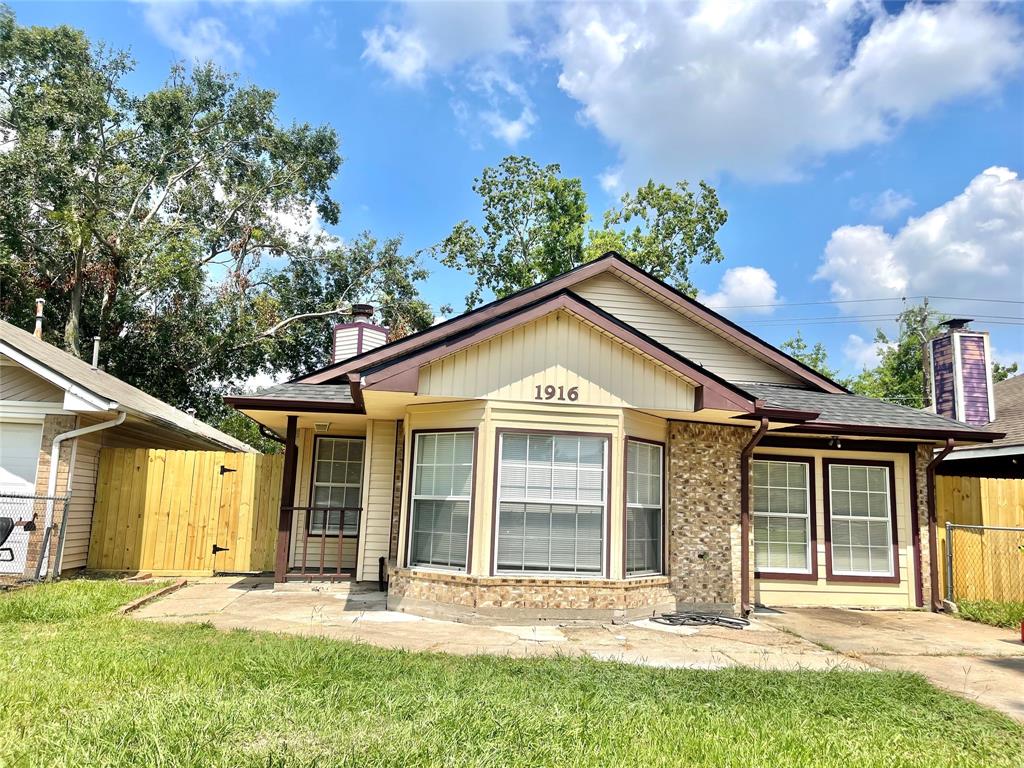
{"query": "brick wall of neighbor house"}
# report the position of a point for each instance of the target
(484, 598)
(704, 514)
(923, 457)
(53, 425)
(396, 499)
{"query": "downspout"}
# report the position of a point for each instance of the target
(51, 490)
(933, 547)
(745, 455)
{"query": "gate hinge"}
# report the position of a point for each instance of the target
(224, 470)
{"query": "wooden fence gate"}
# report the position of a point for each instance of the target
(985, 561)
(185, 512)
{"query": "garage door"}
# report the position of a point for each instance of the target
(19, 456)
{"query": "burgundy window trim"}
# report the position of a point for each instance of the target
(312, 489)
(625, 506)
(833, 578)
(811, 463)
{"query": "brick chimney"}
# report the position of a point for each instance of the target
(358, 336)
(961, 374)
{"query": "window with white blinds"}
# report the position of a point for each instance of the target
(551, 503)
(643, 508)
(337, 485)
(860, 512)
(781, 515)
(442, 486)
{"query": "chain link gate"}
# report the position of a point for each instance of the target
(25, 535)
(984, 562)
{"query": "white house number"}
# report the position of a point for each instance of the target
(551, 392)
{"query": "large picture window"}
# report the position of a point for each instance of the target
(782, 517)
(442, 486)
(551, 503)
(337, 485)
(643, 507)
(860, 516)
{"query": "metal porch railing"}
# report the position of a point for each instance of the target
(326, 543)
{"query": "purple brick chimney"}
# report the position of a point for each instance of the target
(961, 374)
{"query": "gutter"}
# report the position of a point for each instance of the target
(51, 490)
(933, 565)
(745, 455)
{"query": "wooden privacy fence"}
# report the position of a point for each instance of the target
(987, 564)
(185, 512)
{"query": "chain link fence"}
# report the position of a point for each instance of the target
(984, 562)
(29, 526)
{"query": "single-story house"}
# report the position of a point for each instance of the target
(597, 446)
(56, 413)
(1003, 457)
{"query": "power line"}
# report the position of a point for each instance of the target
(860, 301)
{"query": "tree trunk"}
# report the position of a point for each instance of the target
(73, 327)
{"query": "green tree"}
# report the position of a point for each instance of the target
(534, 228)
(899, 376)
(815, 357)
(182, 226)
(1002, 372)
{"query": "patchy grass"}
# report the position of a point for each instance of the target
(68, 600)
(1008, 615)
(94, 689)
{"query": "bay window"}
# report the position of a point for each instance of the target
(551, 503)
(442, 486)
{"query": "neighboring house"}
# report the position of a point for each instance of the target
(1003, 457)
(53, 405)
(599, 445)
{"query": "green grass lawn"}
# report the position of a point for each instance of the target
(1008, 615)
(80, 686)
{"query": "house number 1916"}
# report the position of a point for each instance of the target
(551, 392)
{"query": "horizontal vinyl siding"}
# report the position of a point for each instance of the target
(855, 595)
(560, 350)
(20, 384)
(677, 332)
(80, 505)
(378, 497)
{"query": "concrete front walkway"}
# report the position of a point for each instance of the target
(975, 661)
(358, 613)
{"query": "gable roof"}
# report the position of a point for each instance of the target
(102, 390)
(612, 263)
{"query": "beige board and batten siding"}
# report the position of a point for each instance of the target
(679, 333)
(783, 593)
(562, 351)
(378, 492)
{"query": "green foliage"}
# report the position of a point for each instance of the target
(815, 357)
(1002, 372)
(182, 226)
(899, 377)
(69, 600)
(1006, 614)
(144, 693)
(534, 229)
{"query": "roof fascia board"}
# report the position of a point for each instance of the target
(713, 392)
(984, 452)
(91, 398)
(281, 404)
(908, 433)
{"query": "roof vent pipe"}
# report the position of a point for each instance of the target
(95, 352)
(38, 332)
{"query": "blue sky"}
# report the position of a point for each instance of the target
(864, 151)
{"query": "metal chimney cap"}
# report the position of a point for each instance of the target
(957, 323)
(362, 311)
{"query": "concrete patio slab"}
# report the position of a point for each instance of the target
(359, 614)
(978, 662)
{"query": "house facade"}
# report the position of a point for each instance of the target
(600, 446)
(57, 413)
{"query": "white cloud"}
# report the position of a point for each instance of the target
(751, 288)
(972, 245)
(759, 90)
(438, 36)
(509, 131)
(862, 354)
(885, 206)
(610, 181)
(191, 35)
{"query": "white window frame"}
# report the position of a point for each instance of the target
(414, 497)
(660, 507)
(339, 529)
(889, 519)
(499, 499)
(807, 516)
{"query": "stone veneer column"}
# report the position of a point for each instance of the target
(923, 457)
(704, 514)
(396, 498)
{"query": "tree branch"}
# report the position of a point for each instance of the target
(280, 326)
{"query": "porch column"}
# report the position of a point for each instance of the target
(284, 521)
